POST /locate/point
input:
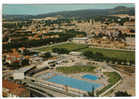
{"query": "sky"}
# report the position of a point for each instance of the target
(34, 9)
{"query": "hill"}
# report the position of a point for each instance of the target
(76, 14)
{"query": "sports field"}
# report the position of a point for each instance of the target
(69, 46)
(119, 54)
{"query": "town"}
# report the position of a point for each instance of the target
(57, 56)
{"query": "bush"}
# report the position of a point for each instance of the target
(47, 55)
(60, 50)
(122, 94)
(76, 69)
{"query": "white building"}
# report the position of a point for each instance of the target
(75, 53)
(83, 40)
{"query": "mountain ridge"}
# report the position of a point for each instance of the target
(76, 13)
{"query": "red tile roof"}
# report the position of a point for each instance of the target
(14, 88)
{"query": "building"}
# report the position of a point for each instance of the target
(83, 40)
(15, 56)
(11, 89)
(75, 53)
(20, 73)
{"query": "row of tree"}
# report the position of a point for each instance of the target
(60, 50)
(100, 57)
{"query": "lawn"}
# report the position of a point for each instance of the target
(128, 55)
(76, 69)
(113, 79)
(119, 54)
(69, 46)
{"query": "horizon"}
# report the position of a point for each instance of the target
(36, 9)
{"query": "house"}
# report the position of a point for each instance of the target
(15, 56)
(12, 57)
(12, 89)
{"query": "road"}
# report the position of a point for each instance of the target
(113, 48)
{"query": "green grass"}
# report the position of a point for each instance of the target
(128, 55)
(113, 78)
(68, 46)
(76, 69)
(119, 54)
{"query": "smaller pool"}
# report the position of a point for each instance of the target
(92, 77)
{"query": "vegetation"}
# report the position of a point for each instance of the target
(47, 55)
(122, 94)
(63, 36)
(60, 50)
(75, 69)
(113, 56)
(113, 78)
(25, 62)
(92, 94)
(68, 46)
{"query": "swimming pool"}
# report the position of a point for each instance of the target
(74, 83)
(92, 77)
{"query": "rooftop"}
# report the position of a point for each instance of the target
(14, 88)
(24, 69)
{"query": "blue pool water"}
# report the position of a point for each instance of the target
(74, 83)
(92, 77)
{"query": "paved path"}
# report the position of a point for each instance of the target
(114, 49)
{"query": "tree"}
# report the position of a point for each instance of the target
(15, 65)
(92, 93)
(26, 52)
(60, 50)
(107, 60)
(47, 55)
(122, 94)
(119, 61)
(88, 54)
(25, 62)
(55, 50)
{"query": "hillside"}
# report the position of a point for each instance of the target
(76, 14)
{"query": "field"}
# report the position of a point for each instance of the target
(69, 46)
(119, 54)
(75, 69)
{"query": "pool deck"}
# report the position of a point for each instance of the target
(102, 81)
